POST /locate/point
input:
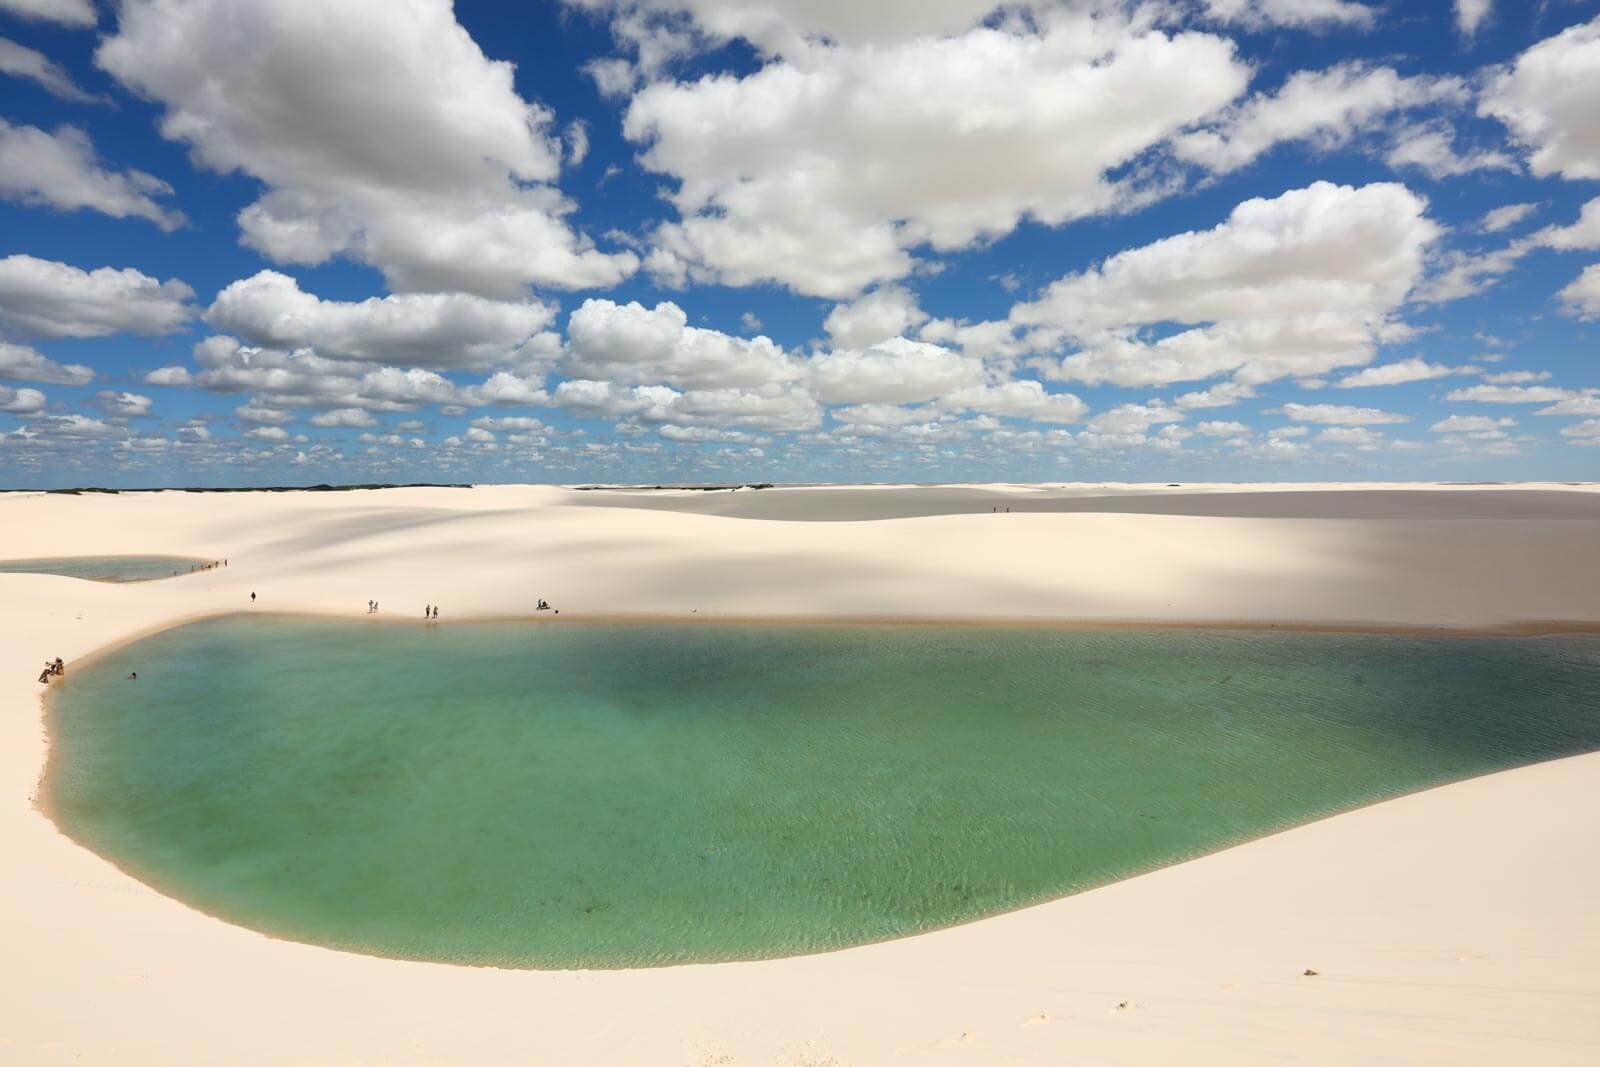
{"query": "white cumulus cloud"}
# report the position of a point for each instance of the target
(21, 401)
(1325, 108)
(1582, 297)
(1431, 148)
(1505, 217)
(1415, 369)
(123, 405)
(825, 169)
(1470, 15)
(898, 371)
(1132, 419)
(53, 299)
(1298, 285)
(21, 363)
(22, 62)
(435, 330)
(1508, 394)
(66, 12)
(1549, 98)
(778, 26)
(381, 131)
(1303, 14)
(1022, 399)
(169, 376)
(1470, 424)
(888, 311)
(635, 345)
(62, 170)
(1341, 415)
(344, 417)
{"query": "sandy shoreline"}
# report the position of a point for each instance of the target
(1529, 628)
(1425, 952)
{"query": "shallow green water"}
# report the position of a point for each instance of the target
(570, 795)
(103, 568)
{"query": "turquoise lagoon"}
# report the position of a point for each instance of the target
(574, 795)
(103, 568)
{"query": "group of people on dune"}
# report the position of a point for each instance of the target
(431, 611)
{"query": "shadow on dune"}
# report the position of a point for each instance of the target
(315, 531)
(847, 505)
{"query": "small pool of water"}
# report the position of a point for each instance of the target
(105, 568)
(549, 795)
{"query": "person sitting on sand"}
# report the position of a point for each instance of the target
(60, 666)
(44, 676)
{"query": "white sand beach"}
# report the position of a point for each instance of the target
(1455, 926)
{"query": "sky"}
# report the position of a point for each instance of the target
(279, 242)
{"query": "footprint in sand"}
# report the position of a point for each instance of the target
(952, 1042)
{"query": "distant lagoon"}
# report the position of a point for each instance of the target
(554, 795)
(104, 568)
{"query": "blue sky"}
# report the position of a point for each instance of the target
(274, 242)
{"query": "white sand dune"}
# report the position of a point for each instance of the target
(1457, 926)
